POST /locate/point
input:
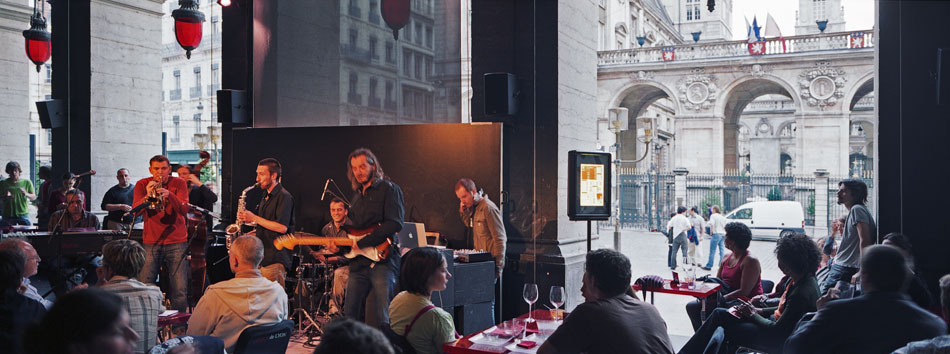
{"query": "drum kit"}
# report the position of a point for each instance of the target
(313, 294)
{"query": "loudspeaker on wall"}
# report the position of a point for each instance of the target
(501, 94)
(234, 107)
(52, 113)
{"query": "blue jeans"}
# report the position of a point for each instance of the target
(380, 281)
(737, 332)
(679, 242)
(175, 260)
(16, 220)
(715, 241)
(838, 272)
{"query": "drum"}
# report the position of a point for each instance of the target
(313, 271)
(217, 261)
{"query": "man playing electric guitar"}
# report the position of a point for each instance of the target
(377, 201)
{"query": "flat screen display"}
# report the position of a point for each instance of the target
(588, 190)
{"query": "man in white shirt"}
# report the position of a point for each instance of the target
(230, 306)
(32, 263)
(679, 223)
(717, 230)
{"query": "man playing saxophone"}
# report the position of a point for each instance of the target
(165, 235)
(276, 219)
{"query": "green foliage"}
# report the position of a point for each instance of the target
(712, 197)
(774, 194)
(811, 205)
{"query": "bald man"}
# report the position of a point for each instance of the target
(247, 300)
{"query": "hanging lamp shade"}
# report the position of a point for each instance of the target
(37, 41)
(396, 14)
(188, 22)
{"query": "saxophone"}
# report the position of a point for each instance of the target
(234, 229)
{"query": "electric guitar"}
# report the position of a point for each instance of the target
(378, 253)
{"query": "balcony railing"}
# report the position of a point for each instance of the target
(375, 102)
(354, 98)
(725, 49)
(174, 95)
(213, 89)
(390, 105)
(353, 52)
(770, 106)
(194, 92)
(354, 10)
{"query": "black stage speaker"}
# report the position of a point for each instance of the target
(501, 94)
(52, 113)
(234, 106)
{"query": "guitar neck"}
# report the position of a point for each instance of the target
(323, 241)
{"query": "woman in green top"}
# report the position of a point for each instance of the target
(423, 272)
(767, 328)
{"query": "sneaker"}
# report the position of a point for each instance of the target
(706, 268)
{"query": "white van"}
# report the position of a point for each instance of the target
(770, 219)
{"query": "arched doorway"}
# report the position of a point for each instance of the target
(774, 107)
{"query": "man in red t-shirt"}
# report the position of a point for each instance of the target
(165, 236)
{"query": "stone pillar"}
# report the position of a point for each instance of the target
(824, 142)
(679, 185)
(698, 145)
(125, 90)
(821, 203)
(15, 69)
(105, 66)
(765, 155)
(551, 48)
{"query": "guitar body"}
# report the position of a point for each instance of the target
(378, 253)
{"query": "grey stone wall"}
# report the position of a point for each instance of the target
(15, 69)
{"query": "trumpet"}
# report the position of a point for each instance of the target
(154, 199)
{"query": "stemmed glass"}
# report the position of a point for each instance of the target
(530, 295)
(557, 299)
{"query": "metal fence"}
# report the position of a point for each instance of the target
(646, 200)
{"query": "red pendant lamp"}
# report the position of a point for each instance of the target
(396, 14)
(37, 38)
(188, 22)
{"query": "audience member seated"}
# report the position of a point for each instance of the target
(346, 335)
(740, 272)
(16, 311)
(767, 328)
(83, 321)
(32, 265)
(612, 319)
(879, 321)
(412, 315)
(121, 262)
(247, 300)
(917, 288)
(76, 218)
(939, 344)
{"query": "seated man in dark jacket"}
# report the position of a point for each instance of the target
(880, 321)
(16, 311)
(767, 328)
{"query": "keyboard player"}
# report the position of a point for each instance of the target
(74, 217)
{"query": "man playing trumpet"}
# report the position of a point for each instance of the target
(165, 235)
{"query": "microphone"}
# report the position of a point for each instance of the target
(87, 173)
(325, 185)
(138, 208)
(204, 211)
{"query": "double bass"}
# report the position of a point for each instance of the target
(196, 225)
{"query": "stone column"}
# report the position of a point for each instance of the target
(699, 144)
(551, 48)
(824, 138)
(679, 185)
(821, 203)
(15, 69)
(125, 86)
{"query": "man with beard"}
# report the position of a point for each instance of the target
(276, 219)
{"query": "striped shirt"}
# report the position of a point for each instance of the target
(144, 303)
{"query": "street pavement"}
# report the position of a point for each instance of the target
(648, 251)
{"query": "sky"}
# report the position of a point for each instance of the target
(858, 14)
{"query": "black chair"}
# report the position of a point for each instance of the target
(767, 286)
(265, 339)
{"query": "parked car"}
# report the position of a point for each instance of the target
(770, 219)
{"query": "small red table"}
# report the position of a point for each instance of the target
(165, 324)
(701, 291)
(465, 346)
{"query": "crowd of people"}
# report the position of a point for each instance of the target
(843, 293)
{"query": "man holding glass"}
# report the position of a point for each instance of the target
(612, 319)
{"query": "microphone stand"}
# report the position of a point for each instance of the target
(57, 234)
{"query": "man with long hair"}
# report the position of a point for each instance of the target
(377, 202)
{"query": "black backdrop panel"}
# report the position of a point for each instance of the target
(424, 160)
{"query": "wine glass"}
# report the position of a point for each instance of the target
(557, 299)
(530, 295)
